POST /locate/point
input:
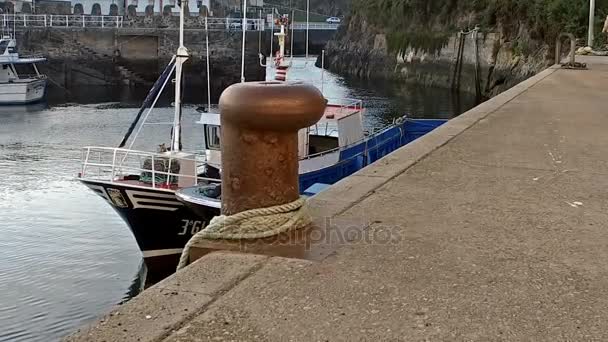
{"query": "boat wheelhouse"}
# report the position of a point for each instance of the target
(16, 87)
(335, 147)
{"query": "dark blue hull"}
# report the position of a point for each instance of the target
(356, 157)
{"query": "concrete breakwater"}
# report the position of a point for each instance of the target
(137, 56)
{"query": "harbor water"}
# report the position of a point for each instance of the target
(66, 256)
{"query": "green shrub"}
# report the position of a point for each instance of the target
(427, 24)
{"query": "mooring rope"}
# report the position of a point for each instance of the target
(252, 224)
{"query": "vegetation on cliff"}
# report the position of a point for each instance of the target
(426, 24)
(320, 9)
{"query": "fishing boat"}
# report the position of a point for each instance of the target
(19, 88)
(140, 184)
(143, 186)
(335, 147)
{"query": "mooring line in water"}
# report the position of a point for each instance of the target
(457, 75)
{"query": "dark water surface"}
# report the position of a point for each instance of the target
(66, 256)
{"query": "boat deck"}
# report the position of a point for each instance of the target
(337, 112)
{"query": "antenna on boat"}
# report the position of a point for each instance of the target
(293, 22)
(271, 38)
(208, 67)
(244, 37)
(180, 59)
(260, 33)
(307, 27)
(14, 25)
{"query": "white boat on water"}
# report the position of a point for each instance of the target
(18, 88)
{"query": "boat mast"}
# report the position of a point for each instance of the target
(180, 59)
(307, 27)
(244, 36)
(208, 64)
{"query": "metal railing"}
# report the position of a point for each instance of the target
(32, 76)
(314, 26)
(60, 21)
(234, 24)
(108, 21)
(110, 164)
(346, 104)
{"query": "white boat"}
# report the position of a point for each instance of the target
(18, 88)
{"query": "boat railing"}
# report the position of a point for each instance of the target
(33, 76)
(114, 164)
(341, 148)
(347, 105)
(32, 56)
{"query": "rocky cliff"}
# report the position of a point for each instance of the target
(435, 42)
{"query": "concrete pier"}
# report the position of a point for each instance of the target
(491, 228)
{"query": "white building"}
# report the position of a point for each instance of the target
(141, 5)
(17, 5)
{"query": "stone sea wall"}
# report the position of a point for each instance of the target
(104, 57)
(363, 51)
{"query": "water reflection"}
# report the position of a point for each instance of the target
(21, 109)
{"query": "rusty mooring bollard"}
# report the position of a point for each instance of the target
(260, 123)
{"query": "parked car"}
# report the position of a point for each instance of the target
(333, 20)
(236, 26)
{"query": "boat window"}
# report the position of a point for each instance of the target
(3, 45)
(321, 143)
(212, 136)
(12, 49)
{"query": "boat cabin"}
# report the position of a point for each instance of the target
(318, 145)
(9, 59)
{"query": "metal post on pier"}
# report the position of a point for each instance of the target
(67, 21)
(83, 22)
(260, 123)
(591, 36)
(51, 21)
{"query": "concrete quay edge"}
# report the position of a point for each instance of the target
(167, 307)
(351, 190)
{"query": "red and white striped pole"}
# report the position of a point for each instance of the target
(281, 73)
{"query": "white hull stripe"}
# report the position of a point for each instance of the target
(142, 194)
(162, 252)
(149, 200)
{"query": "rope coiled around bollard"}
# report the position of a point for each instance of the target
(252, 224)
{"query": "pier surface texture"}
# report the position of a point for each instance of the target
(491, 228)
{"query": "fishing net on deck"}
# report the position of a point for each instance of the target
(162, 168)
